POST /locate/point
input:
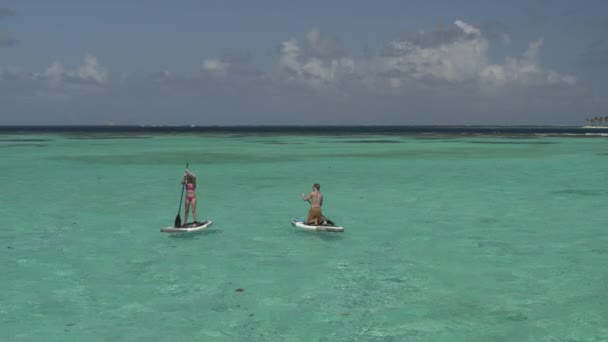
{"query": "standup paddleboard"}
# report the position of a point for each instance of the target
(329, 227)
(190, 227)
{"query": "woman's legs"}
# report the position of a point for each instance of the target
(193, 206)
(186, 211)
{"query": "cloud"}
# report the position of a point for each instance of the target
(441, 35)
(234, 66)
(312, 71)
(54, 83)
(215, 66)
(320, 65)
(451, 58)
(462, 57)
(6, 12)
(455, 56)
(445, 75)
(288, 59)
(524, 71)
(89, 73)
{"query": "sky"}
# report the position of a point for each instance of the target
(384, 62)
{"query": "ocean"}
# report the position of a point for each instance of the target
(451, 234)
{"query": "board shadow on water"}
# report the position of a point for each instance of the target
(194, 235)
(326, 236)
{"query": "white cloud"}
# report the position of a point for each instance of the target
(214, 66)
(452, 60)
(313, 71)
(54, 73)
(450, 56)
(465, 59)
(289, 57)
(455, 62)
(233, 67)
(90, 72)
(466, 28)
(524, 71)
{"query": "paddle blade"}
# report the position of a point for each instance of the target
(178, 221)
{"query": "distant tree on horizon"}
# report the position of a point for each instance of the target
(597, 121)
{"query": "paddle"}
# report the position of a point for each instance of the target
(178, 218)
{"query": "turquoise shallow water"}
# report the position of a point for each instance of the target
(447, 239)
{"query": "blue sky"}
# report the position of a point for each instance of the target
(313, 62)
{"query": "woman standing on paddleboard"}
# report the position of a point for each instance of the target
(190, 182)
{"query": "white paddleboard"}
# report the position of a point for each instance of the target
(190, 227)
(331, 227)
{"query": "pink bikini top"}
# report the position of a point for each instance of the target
(190, 186)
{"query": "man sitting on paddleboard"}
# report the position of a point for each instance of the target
(316, 201)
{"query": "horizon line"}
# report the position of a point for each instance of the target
(291, 125)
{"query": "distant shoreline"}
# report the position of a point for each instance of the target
(308, 130)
